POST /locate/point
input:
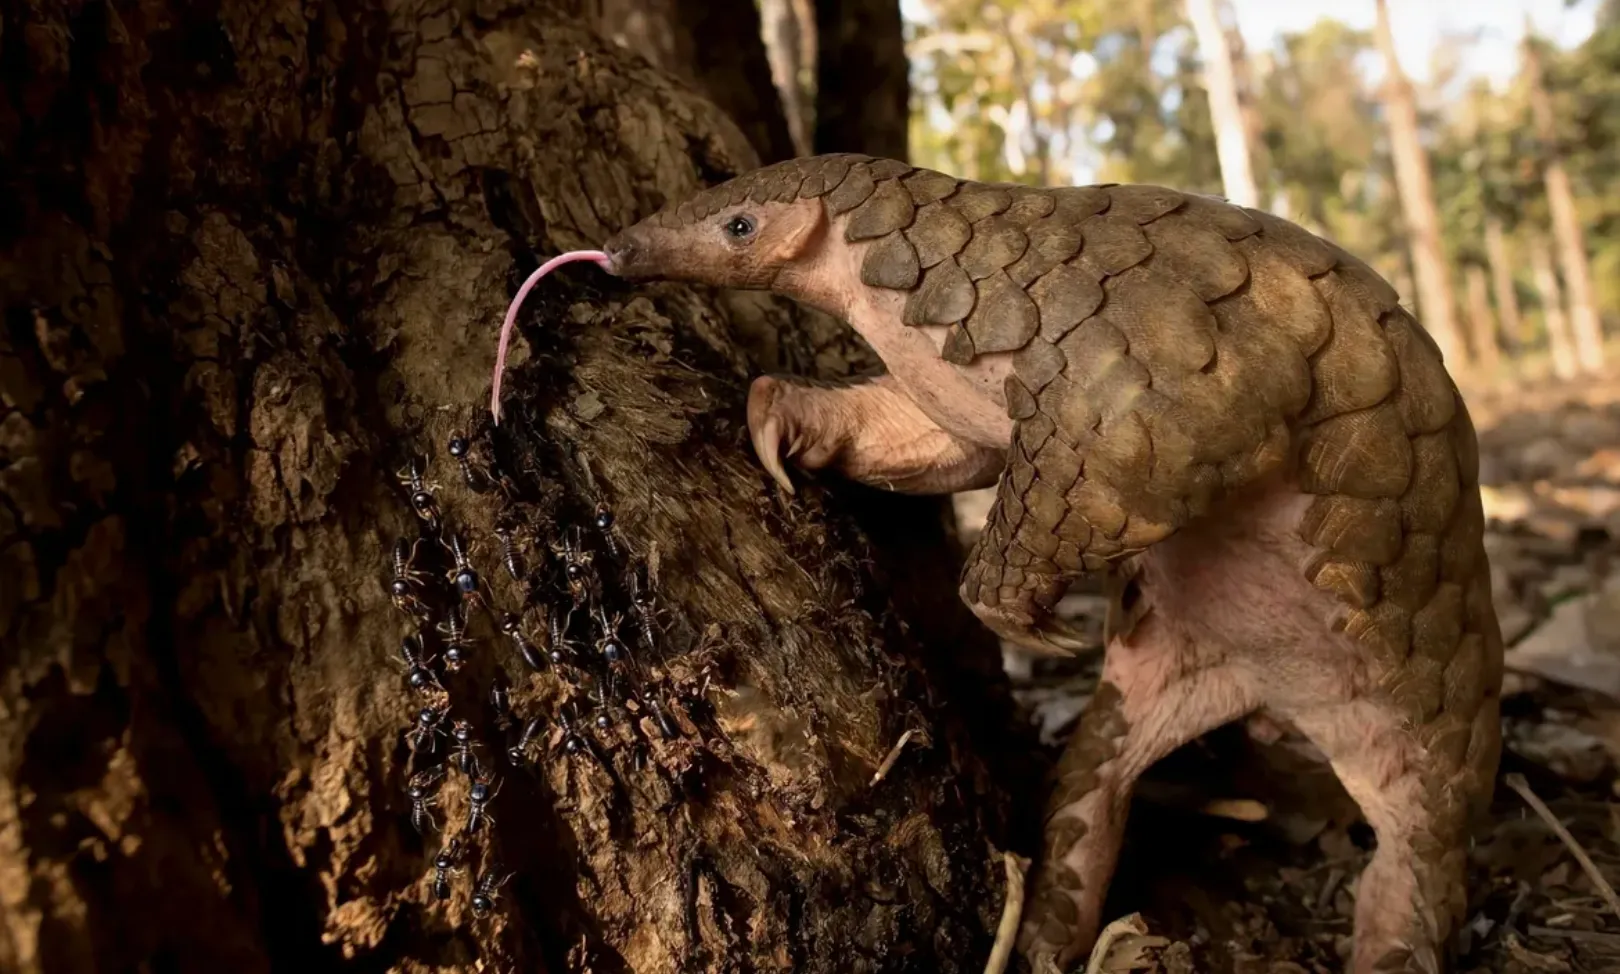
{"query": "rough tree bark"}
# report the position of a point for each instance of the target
(1585, 326)
(1226, 111)
(1559, 343)
(714, 46)
(253, 254)
(1482, 322)
(1507, 297)
(863, 91)
(1436, 304)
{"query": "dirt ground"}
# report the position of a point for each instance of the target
(1242, 855)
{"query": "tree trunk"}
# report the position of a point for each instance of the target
(1507, 297)
(785, 42)
(1437, 308)
(1585, 325)
(1559, 343)
(251, 261)
(1226, 111)
(714, 46)
(1482, 322)
(863, 91)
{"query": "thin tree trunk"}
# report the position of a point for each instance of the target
(254, 259)
(1584, 322)
(785, 43)
(1487, 351)
(863, 89)
(1507, 297)
(1226, 112)
(1559, 343)
(1436, 306)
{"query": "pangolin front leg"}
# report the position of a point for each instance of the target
(869, 431)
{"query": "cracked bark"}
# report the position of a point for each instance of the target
(251, 255)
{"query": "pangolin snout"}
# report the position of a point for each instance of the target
(626, 252)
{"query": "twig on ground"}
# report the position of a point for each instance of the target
(1011, 911)
(893, 756)
(1132, 924)
(1519, 784)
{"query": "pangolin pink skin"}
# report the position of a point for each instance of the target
(1223, 617)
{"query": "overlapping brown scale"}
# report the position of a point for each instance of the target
(1385, 629)
(1143, 202)
(1230, 221)
(927, 186)
(975, 201)
(1030, 205)
(944, 297)
(888, 168)
(1355, 368)
(959, 347)
(1093, 350)
(1053, 240)
(1464, 683)
(1004, 317)
(1355, 582)
(1355, 528)
(1038, 363)
(886, 210)
(1461, 547)
(1020, 401)
(938, 232)
(789, 185)
(1412, 579)
(1065, 296)
(1363, 454)
(1425, 397)
(996, 243)
(1196, 255)
(825, 175)
(1169, 329)
(1058, 465)
(1098, 507)
(1437, 627)
(1467, 444)
(891, 263)
(1112, 245)
(851, 191)
(1307, 253)
(1431, 500)
(1279, 295)
(1371, 288)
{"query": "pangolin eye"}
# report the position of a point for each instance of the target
(739, 226)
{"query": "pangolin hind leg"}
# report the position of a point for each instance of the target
(1159, 690)
(869, 431)
(1417, 790)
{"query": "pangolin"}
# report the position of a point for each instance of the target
(1232, 419)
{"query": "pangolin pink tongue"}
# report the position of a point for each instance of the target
(570, 257)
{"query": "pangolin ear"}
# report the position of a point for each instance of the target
(803, 229)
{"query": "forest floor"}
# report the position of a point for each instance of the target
(1242, 854)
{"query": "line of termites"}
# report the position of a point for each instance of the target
(440, 603)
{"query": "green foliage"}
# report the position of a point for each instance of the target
(1011, 90)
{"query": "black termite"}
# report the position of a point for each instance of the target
(576, 566)
(418, 674)
(511, 558)
(610, 646)
(604, 524)
(666, 726)
(461, 451)
(558, 652)
(422, 502)
(641, 602)
(462, 575)
(482, 792)
(573, 741)
(426, 729)
(464, 751)
(457, 647)
(445, 863)
(500, 699)
(403, 586)
(519, 752)
(483, 898)
(512, 626)
(422, 796)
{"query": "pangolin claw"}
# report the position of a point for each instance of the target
(768, 445)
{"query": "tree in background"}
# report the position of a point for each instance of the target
(1436, 304)
(1225, 107)
(1584, 324)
